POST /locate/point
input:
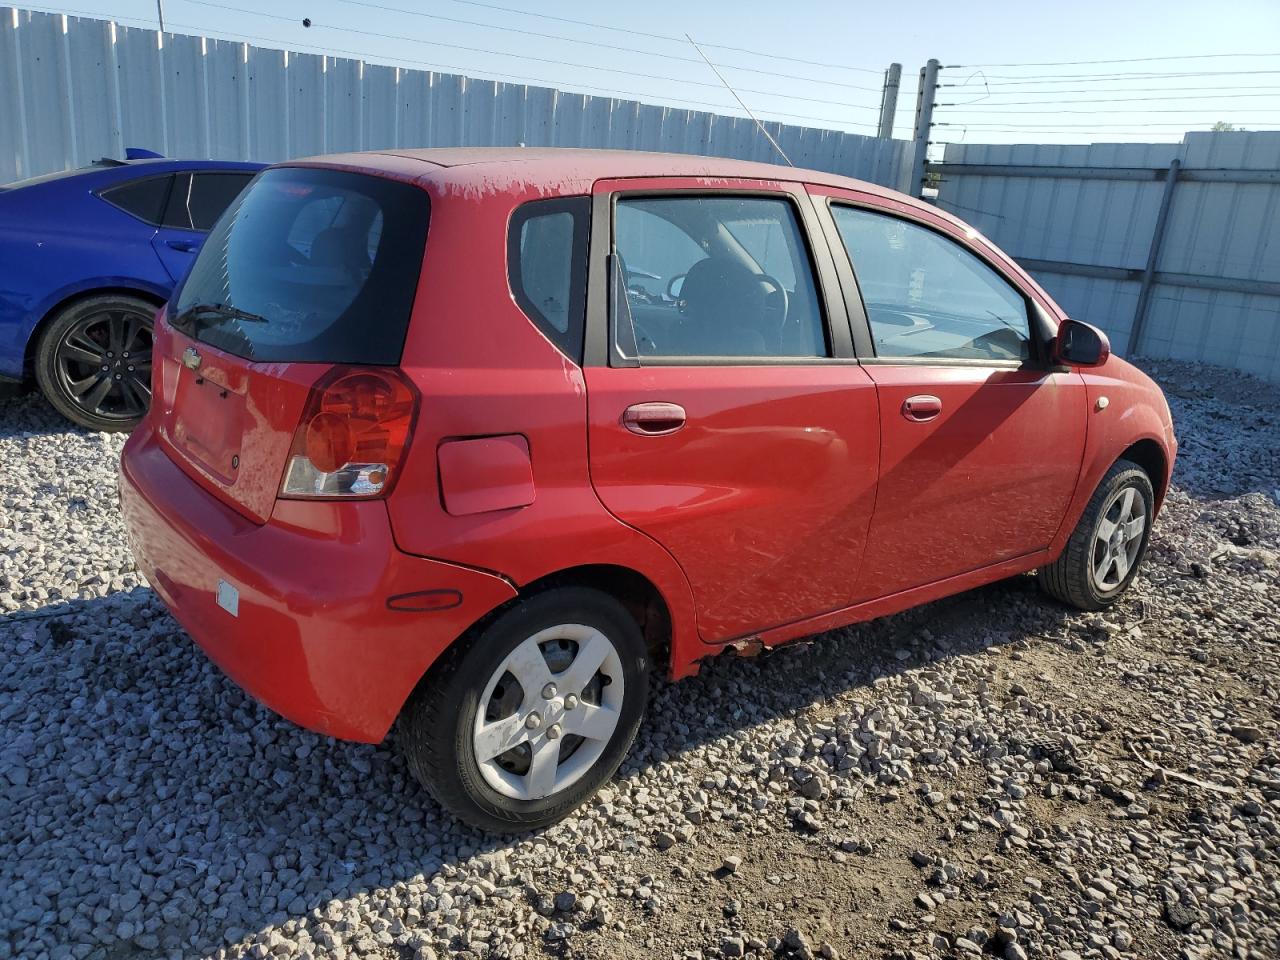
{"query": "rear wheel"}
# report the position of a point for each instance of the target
(93, 361)
(1102, 556)
(529, 716)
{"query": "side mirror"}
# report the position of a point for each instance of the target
(1080, 344)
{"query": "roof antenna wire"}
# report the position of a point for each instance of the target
(782, 153)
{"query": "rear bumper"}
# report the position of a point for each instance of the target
(313, 638)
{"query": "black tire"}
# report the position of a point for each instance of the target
(1071, 577)
(108, 330)
(437, 726)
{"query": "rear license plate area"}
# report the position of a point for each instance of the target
(208, 425)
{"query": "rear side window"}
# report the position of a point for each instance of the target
(198, 199)
(547, 267)
(927, 296)
(310, 266)
(144, 199)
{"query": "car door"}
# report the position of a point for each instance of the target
(195, 202)
(728, 418)
(981, 439)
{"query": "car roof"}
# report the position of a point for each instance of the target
(164, 164)
(108, 171)
(564, 169)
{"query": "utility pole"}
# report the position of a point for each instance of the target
(889, 105)
(160, 11)
(924, 122)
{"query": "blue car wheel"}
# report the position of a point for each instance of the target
(93, 361)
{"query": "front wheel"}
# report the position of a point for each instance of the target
(531, 714)
(1102, 556)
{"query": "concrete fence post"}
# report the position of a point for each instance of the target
(928, 92)
(889, 100)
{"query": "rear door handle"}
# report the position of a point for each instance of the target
(653, 419)
(185, 246)
(921, 408)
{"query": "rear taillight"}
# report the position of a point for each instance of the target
(353, 435)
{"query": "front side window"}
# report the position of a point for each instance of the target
(713, 276)
(928, 297)
(310, 266)
(547, 267)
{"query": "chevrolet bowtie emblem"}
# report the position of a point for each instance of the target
(191, 358)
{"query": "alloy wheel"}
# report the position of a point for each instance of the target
(1117, 539)
(103, 364)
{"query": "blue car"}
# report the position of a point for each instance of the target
(86, 257)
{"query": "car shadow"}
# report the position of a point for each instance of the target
(25, 411)
(198, 817)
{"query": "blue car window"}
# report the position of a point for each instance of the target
(143, 199)
(198, 199)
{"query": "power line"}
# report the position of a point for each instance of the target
(551, 60)
(1077, 63)
(1077, 133)
(663, 36)
(561, 37)
(999, 106)
(1051, 95)
(1093, 113)
(1006, 81)
(500, 76)
(1030, 127)
(1143, 111)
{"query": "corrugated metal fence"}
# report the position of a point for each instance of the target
(74, 89)
(1182, 238)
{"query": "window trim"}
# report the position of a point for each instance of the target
(1039, 325)
(602, 343)
(171, 175)
(570, 342)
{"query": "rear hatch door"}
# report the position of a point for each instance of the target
(229, 423)
(310, 268)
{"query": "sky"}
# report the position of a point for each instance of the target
(1013, 72)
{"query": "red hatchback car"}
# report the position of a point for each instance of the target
(477, 439)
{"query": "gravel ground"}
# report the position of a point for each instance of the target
(991, 774)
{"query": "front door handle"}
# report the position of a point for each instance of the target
(183, 246)
(653, 419)
(921, 408)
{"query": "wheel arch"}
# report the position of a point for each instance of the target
(636, 592)
(1150, 456)
(67, 299)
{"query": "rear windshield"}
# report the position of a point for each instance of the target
(309, 266)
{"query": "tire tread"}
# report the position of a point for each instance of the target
(1067, 578)
(436, 761)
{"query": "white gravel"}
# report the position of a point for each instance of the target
(990, 774)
